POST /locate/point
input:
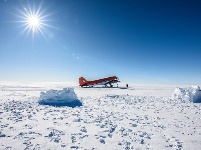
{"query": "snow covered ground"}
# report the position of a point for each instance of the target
(140, 117)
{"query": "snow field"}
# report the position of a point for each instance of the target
(108, 119)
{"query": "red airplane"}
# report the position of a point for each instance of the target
(105, 81)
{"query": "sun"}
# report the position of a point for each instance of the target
(34, 23)
(34, 20)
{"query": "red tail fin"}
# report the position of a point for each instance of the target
(82, 81)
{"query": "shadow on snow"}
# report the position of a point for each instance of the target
(72, 104)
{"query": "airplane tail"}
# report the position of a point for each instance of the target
(82, 81)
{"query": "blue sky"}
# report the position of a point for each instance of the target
(143, 41)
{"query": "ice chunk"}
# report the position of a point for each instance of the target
(192, 94)
(65, 97)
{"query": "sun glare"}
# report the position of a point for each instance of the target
(34, 20)
(34, 23)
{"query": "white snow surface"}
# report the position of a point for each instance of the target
(191, 94)
(140, 117)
